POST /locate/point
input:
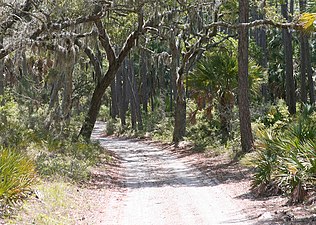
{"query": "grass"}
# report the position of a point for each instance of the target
(17, 174)
(52, 203)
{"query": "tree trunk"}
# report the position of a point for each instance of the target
(288, 52)
(226, 103)
(136, 100)
(303, 56)
(180, 110)
(243, 83)
(114, 65)
(114, 98)
(67, 93)
(1, 71)
(303, 68)
(94, 108)
(177, 76)
(143, 72)
(129, 75)
(310, 75)
(175, 57)
(1, 77)
(124, 99)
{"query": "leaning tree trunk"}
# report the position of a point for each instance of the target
(114, 65)
(243, 83)
(96, 100)
(288, 52)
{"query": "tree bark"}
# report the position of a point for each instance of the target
(67, 93)
(180, 110)
(96, 100)
(135, 95)
(175, 57)
(114, 102)
(303, 56)
(130, 92)
(243, 83)
(288, 52)
(311, 87)
(177, 76)
(143, 72)
(124, 99)
(1, 71)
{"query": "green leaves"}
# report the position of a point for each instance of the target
(307, 21)
(287, 161)
(17, 174)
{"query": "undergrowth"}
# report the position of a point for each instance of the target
(30, 153)
(17, 175)
(285, 157)
(51, 203)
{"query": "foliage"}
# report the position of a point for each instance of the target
(307, 21)
(12, 132)
(67, 159)
(205, 132)
(17, 175)
(287, 161)
(214, 83)
(277, 116)
(56, 202)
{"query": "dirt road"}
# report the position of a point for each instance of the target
(160, 188)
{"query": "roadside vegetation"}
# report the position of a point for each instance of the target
(40, 165)
(169, 70)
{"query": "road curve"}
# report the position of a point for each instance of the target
(162, 189)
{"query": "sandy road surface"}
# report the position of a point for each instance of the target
(159, 188)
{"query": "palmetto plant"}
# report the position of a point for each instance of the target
(287, 162)
(17, 174)
(215, 80)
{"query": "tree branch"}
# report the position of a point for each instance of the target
(26, 7)
(256, 23)
(105, 42)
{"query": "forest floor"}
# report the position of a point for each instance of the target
(147, 182)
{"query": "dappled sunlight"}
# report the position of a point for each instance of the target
(157, 185)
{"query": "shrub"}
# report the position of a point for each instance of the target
(68, 159)
(17, 175)
(277, 116)
(287, 161)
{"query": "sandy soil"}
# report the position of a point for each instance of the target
(161, 184)
(147, 182)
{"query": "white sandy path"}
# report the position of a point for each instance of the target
(160, 188)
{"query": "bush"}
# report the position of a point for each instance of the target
(17, 175)
(286, 161)
(68, 159)
(277, 116)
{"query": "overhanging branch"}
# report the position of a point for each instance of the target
(256, 23)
